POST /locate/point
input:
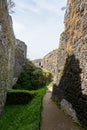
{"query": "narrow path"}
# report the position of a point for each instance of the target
(54, 118)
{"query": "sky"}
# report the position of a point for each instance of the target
(39, 24)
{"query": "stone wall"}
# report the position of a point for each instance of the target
(71, 77)
(49, 62)
(22, 46)
(38, 62)
(12, 54)
(7, 52)
(20, 56)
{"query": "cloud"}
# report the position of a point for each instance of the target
(39, 23)
(26, 6)
(45, 5)
(38, 6)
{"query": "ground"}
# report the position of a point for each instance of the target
(54, 118)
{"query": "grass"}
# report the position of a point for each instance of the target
(23, 117)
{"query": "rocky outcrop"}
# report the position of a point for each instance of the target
(71, 75)
(7, 52)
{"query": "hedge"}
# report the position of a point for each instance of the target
(19, 97)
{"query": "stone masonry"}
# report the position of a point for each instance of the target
(20, 56)
(12, 53)
(50, 62)
(38, 63)
(7, 52)
(68, 63)
(71, 75)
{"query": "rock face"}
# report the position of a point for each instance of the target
(71, 75)
(7, 52)
(20, 56)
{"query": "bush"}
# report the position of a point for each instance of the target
(19, 97)
(32, 78)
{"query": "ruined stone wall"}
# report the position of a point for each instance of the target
(22, 46)
(38, 63)
(71, 78)
(49, 62)
(20, 56)
(7, 52)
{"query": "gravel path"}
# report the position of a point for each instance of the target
(54, 118)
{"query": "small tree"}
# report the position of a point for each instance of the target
(11, 5)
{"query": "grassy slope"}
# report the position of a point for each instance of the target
(23, 117)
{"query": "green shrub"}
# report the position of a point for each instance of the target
(32, 78)
(19, 97)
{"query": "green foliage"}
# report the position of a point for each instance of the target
(23, 117)
(32, 78)
(19, 97)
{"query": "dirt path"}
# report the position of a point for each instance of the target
(53, 118)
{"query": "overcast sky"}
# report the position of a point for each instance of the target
(39, 24)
